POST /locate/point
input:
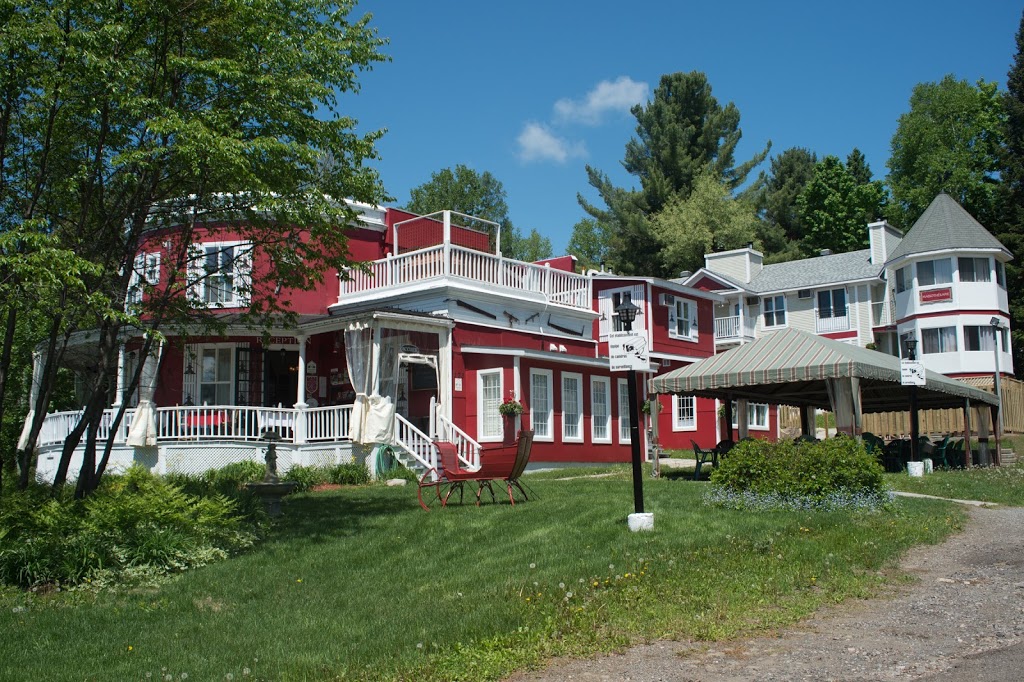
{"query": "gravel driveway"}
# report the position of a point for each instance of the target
(963, 619)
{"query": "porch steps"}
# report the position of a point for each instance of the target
(1007, 457)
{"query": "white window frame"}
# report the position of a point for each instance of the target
(774, 311)
(939, 336)
(623, 421)
(979, 331)
(577, 378)
(145, 268)
(241, 274)
(832, 303)
(681, 404)
(985, 271)
(904, 279)
(753, 410)
(200, 368)
(485, 420)
(682, 310)
(937, 278)
(597, 418)
(538, 416)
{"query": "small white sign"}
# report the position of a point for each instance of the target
(911, 372)
(628, 350)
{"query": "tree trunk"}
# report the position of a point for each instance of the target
(5, 368)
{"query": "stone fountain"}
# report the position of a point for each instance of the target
(271, 489)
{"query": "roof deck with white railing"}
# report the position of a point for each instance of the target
(432, 252)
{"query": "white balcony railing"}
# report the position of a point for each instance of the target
(456, 262)
(824, 325)
(729, 328)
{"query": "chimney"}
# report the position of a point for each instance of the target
(826, 252)
(684, 274)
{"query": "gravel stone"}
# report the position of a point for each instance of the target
(962, 619)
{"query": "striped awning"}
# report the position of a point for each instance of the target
(789, 367)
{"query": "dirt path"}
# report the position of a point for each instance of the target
(962, 620)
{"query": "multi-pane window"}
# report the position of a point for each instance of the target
(145, 271)
(979, 338)
(624, 424)
(774, 311)
(215, 375)
(540, 403)
(832, 303)
(490, 422)
(684, 412)
(974, 270)
(572, 406)
(221, 272)
(938, 340)
(903, 279)
(600, 406)
(757, 415)
(682, 318)
(938, 271)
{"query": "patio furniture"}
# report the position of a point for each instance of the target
(703, 456)
(896, 455)
(940, 454)
(724, 446)
(500, 463)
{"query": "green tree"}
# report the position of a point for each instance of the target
(682, 133)
(835, 209)
(949, 141)
(589, 243)
(134, 115)
(709, 219)
(780, 230)
(1010, 228)
(533, 247)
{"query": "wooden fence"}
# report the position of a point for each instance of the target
(891, 424)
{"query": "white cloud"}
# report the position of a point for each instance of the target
(617, 95)
(538, 143)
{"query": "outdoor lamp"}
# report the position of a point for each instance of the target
(911, 342)
(627, 312)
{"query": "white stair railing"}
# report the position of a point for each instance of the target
(416, 443)
(467, 448)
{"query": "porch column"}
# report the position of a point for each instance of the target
(742, 320)
(300, 399)
(119, 392)
(742, 418)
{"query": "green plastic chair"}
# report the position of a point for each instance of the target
(939, 454)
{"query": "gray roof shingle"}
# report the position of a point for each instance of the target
(945, 224)
(808, 273)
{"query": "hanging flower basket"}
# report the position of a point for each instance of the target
(510, 408)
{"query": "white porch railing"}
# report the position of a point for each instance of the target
(222, 422)
(467, 448)
(416, 443)
(832, 324)
(728, 328)
(447, 260)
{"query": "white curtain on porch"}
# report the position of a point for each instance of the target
(143, 430)
(358, 351)
(33, 395)
(844, 396)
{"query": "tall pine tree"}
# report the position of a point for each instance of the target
(1011, 227)
(682, 133)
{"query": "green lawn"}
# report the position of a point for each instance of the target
(1003, 485)
(360, 583)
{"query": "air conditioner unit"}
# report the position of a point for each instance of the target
(666, 300)
(803, 293)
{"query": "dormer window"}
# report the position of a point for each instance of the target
(938, 271)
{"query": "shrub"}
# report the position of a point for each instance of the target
(802, 473)
(228, 481)
(134, 524)
(306, 477)
(353, 473)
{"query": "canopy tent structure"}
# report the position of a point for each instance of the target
(791, 367)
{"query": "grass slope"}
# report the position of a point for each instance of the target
(360, 583)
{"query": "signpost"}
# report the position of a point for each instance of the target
(911, 373)
(628, 352)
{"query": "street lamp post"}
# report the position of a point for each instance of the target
(911, 342)
(627, 314)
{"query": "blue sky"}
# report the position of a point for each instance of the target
(534, 91)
